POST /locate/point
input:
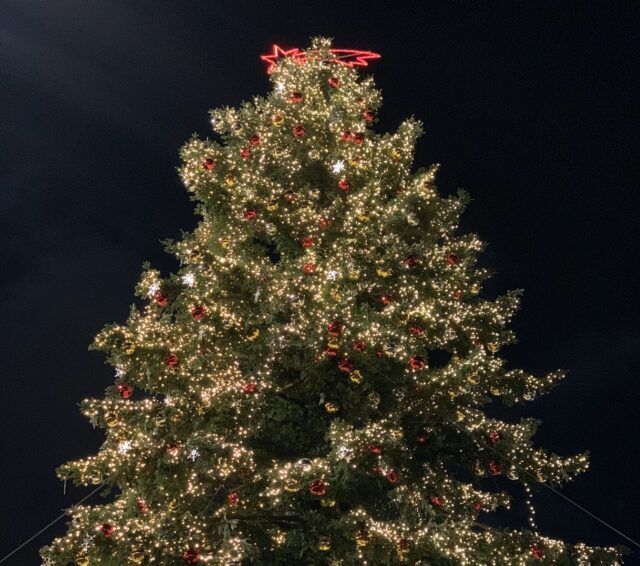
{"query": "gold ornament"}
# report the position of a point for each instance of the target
(495, 391)
(230, 180)
(224, 243)
(324, 544)
(492, 347)
(355, 376)
(253, 334)
(137, 557)
(111, 419)
(353, 275)
(475, 289)
(328, 503)
(396, 155)
(129, 347)
(331, 407)
(335, 294)
(176, 417)
(172, 505)
(292, 485)
(82, 559)
(459, 416)
(278, 120)
(363, 218)
(473, 379)
(334, 345)
(453, 394)
(383, 272)
(362, 537)
(272, 205)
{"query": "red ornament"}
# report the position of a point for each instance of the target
(245, 152)
(173, 449)
(296, 97)
(421, 439)
(172, 360)
(457, 294)
(209, 164)
(334, 82)
(142, 505)
(250, 214)
(306, 242)
(536, 552)
(453, 259)
(161, 299)
(191, 556)
(331, 352)
(233, 499)
(477, 505)
(494, 437)
(345, 365)
(368, 115)
(324, 222)
(309, 268)
(411, 261)
(344, 185)
(106, 529)
(393, 477)
(298, 130)
(198, 312)
(255, 140)
(346, 136)
(417, 363)
(291, 196)
(386, 299)
(379, 354)
(435, 501)
(359, 346)
(495, 469)
(376, 469)
(334, 328)
(250, 388)
(375, 449)
(125, 390)
(357, 138)
(318, 488)
(416, 330)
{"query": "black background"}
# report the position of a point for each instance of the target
(529, 108)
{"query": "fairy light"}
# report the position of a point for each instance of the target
(282, 251)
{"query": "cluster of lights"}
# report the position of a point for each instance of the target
(322, 274)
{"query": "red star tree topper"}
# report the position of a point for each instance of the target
(348, 57)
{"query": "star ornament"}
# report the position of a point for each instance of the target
(348, 57)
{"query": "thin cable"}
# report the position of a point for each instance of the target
(43, 529)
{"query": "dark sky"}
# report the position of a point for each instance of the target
(529, 108)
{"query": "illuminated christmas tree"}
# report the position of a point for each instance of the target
(310, 386)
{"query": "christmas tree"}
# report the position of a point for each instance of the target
(311, 386)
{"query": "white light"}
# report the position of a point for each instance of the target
(279, 87)
(194, 454)
(338, 166)
(119, 372)
(124, 446)
(189, 279)
(332, 275)
(154, 288)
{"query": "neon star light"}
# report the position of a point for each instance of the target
(348, 57)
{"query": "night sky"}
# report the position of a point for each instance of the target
(530, 109)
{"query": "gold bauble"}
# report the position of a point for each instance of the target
(331, 407)
(172, 505)
(355, 376)
(492, 347)
(111, 419)
(253, 334)
(129, 347)
(396, 155)
(272, 205)
(230, 180)
(82, 559)
(495, 391)
(324, 544)
(473, 379)
(136, 557)
(224, 243)
(278, 120)
(383, 272)
(328, 503)
(176, 417)
(453, 394)
(363, 218)
(353, 275)
(475, 289)
(291, 485)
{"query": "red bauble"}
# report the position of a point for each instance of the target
(368, 115)
(306, 242)
(125, 390)
(345, 365)
(453, 259)
(495, 469)
(393, 477)
(173, 449)
(375, 449)
(537, 552)
(379, 354)
(298, 130)
(106, 529)
(334, 82)
(421, 439)
(318, 488)
(324, 222)
(209, 164)
(172, 360)
(334, 328)
(291, 196)
(250, 388)
(233, 499)
(161, 299)
(376, 469)
(411, 261)
(386, 299)
(477, 505)
(198, 312)
(346, 135)
(417, 363)
(358, 138)
(332, 352)
(245, 152)
(296, 97)
(435, 501)
(359, 346)
(191, 556)
(309, 268)
(255, 140)
(344, 185)
(250, 214)
(142, 506)
(457, 294)
(416, 330)
(494, 437)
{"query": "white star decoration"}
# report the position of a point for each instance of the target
(338, 166)
(189, 279)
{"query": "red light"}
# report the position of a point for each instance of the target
(348, 57)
